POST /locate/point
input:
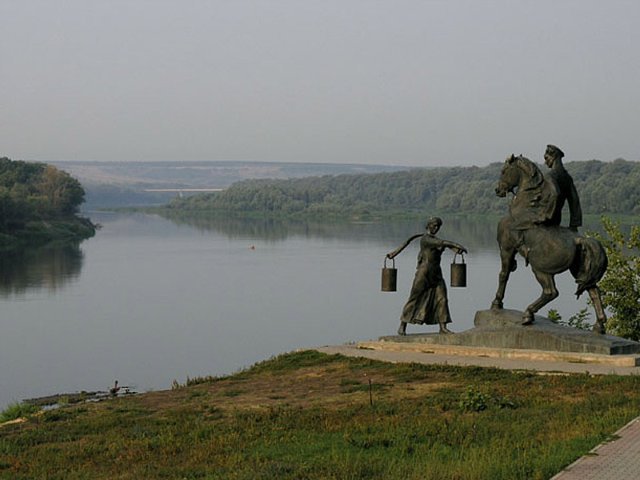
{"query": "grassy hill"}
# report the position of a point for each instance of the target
(315, 416)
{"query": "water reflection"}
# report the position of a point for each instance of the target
(478, 233)
(49, 268)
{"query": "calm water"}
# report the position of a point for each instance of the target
(149, 300)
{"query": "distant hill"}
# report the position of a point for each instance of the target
(110, 184)
(604, 187)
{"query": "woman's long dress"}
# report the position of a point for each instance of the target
(428, 303)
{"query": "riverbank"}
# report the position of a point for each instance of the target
(313, 415)
(37, 233)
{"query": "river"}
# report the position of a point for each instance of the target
(149, 300)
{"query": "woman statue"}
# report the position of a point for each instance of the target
(427, 303)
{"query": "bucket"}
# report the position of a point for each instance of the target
(458, 272)
(389, 276)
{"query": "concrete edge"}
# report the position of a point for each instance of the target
(631, 360)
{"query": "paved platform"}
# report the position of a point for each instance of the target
(615, 460)
(630, 360)
(618, 459)
(482, 360)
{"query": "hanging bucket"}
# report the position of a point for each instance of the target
(389, 276)
(458, 272)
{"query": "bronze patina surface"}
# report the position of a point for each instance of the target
(428, 302)
(532, 228)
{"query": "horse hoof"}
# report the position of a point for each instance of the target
(496, 305)
(598, 328)
(527, 320)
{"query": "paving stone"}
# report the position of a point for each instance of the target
(618, 459)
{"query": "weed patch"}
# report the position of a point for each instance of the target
(17, 410)
(474, 400)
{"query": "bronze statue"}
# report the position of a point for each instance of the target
(548, 194)
(531, 228)
(566, 189)
(428, 303)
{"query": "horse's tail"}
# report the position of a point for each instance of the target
(589, 265)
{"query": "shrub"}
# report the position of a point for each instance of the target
(17, 410)
(620, 286)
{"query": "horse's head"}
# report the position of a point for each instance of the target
(518, 172)
(509, 177)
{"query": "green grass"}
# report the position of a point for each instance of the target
(17, 410)
(307, 415)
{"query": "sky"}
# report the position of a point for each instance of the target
(393, 82)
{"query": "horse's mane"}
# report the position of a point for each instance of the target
(536, 197)
(536, 178)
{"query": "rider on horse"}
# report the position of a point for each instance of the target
(533, 229)
(546, 208)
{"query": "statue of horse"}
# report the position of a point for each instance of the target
(549, 249)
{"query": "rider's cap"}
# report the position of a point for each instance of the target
(555, 150)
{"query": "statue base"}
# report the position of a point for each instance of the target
(503, 329)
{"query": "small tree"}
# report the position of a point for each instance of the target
(63, 194)
(620, 286)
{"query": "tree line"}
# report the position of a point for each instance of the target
(604, 187)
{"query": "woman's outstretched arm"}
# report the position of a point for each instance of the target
(403, 246)
(455, 246)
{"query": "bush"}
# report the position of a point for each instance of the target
(579, 320)
(474, 400)
(17, 410)
(620, 286)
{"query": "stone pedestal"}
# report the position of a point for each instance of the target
(502, 329)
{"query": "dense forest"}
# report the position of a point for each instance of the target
(611, 187)
(38, 203)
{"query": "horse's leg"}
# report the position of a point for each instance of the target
(402, 329)
(601, 316)
(507, 262)
(549, 292)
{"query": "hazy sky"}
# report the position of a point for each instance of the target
(402, 82)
